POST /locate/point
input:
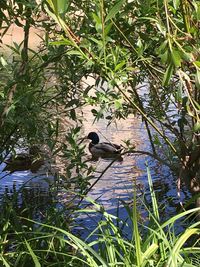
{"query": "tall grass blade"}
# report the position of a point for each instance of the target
(136, 231)
(148, 253)
(4, 261)
(114, 10)
(175, 254)
(153, 196)
(89, 253)
(181, 215)
(34, 257)
(155, 210)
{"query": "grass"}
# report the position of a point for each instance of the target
(25, 242)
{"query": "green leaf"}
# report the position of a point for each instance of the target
(168, 75)
(197, 104)
(3, 62)
(99, 42)
(197, 79)
(59, 6)
(153, 196)
(162, 47)
(180, 243)
(120, 65)
(97, 20)
(197, 127)
(13, 49)
(53, 5)
(74, 52)
(62, 6)
(197, 64)
(61, 42)
(140, 46)
(176, 4)
(34, 257)
(198, 12)
(137, 238)
(2, 94)
(161, 27)
(176, 57)
(149, 252)
(164, 56)
(6, 264)
(187, 56)
(107, 28)
(118, 104)
(114, 10)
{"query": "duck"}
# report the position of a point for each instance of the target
(25, 161)
(105, 149)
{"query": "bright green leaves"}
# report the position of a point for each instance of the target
(97, 21)
(197, 76)
(33, 255)
(197, 127)
(168, 75)
(114, 10)
(3, 62)
(177, 50)
(120, 65)
(172, 54)
(162, 52)
(170, 57)
(62, 6)
(140, 47)
(118, 103)
(198, 11)
(164, 56)
(197, 79)
(176, 57)
(59, 6)
(176, 4)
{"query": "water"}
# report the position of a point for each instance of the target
(115, 186)
(25, 187)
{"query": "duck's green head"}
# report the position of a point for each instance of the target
(94, 137)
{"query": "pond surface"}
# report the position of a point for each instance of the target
(115, 186)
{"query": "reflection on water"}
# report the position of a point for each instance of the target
(29, 193)
(116, 185)
(26, 179)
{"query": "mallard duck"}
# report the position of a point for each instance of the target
(25, 161)
(105, 149)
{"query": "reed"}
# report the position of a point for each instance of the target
(25, 241)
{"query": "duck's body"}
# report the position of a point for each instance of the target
(24, 161)
(104, 149)
(20, 162)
